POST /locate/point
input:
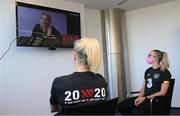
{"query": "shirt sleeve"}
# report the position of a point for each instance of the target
(53, 98)
(145, 73)
(166, 76)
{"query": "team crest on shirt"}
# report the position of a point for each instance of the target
(156, 75)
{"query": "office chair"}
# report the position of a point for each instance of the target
(97, 108)
(164, 101)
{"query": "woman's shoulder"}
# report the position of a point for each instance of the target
(148, 69)
(62, 78)
(36, 26)
(100, 77)
(167, 72)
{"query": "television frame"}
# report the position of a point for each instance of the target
(73, 31)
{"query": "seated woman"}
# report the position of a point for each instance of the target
(85, 84)
(45, 34)
(156, 83)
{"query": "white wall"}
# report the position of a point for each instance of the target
(26, 74)
(93, 29)
(150, 28)
(0, 65)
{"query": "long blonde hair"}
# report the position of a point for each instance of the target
(48, 29)
(163, 59)
(88, 52)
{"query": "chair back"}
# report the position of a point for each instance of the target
(97, 108)
(170, 91)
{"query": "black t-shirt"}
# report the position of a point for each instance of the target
(154, 79)
(78, 87)
(37, 31)
(39, 38)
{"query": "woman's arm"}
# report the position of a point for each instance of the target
(141, 94)
(140, 98)
(162, 92)
(55, 108)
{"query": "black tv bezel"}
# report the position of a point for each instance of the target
(28, 5)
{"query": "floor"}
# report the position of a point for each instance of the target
(174, 111)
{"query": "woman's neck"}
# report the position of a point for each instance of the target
(155, 65)
(81, 68)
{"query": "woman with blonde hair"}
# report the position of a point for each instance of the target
(156, 83)
(43, 31)
(85, 84)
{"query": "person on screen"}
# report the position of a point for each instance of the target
(85, 84)
(156, 83)
(44, 33)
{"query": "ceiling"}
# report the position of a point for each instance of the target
(123, 4)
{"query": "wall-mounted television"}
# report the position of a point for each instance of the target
(39, 26)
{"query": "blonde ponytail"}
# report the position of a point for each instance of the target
(88, 50)
(164, 63)
(93, 54)
(163, 59)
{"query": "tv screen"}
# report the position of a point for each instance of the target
(39, 26)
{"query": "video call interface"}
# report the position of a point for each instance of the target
(41, 26)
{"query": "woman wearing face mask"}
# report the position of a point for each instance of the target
(156, 83)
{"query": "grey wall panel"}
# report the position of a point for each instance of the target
(114, 34)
